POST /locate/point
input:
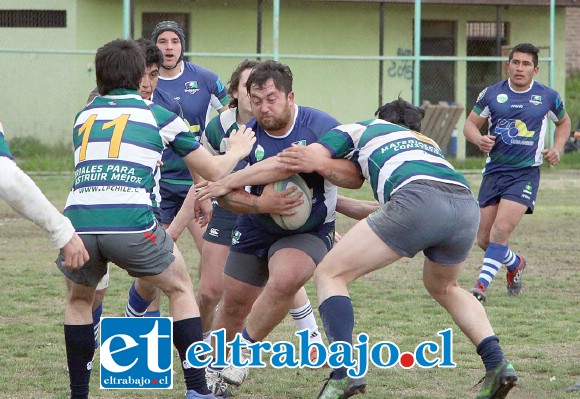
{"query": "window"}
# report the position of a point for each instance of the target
(32, 19)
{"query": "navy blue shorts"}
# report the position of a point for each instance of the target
(220, 227)
(519, 186)
(252, 248)
(172, 197)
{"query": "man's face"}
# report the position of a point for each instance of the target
(170, 45)
(241, 94)
(149, 81)
(271, 107)
(521, 71)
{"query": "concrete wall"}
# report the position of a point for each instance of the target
(41, 93)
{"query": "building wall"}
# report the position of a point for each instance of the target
(572, 39)
(41, 93)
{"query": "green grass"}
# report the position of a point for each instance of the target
(539, 330)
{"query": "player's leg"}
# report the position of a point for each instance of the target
(78, 320)
(303, 316)
(97, 308)
(196, 232)
(155, 259)
(469, 315)
(211, 285)
(349, 259)
(141, 295)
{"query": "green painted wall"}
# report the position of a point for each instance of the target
(41, 93)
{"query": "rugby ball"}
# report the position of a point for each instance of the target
(302, 212)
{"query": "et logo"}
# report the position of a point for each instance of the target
(136, 353)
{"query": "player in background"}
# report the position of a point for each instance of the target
(197, 90)
(419, 192)
(23, 195)
(518, 111)
(118, 140)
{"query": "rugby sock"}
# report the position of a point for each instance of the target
(490, 352)
(304, 319)
(337, 317)
(137, 306)
(97, 313)
(79, 342)
(247, 337)
(207, 337)
(492, 261)
(513, 262)
(154, 313)
(185, 333)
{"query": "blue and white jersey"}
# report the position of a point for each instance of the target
(519, 122)
(166, 100)
(4, 150)
(309, 125)
(390, 156)
(197, 90)
(218, 130)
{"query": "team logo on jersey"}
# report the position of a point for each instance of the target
(191, 87)
(502, 98)
(259, 153)
(514, 131)
(481, 94)
(300, 142)
(236, 235)
(214, 232)
(528, 188)
(535, 99)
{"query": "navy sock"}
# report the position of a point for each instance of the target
(154, 313)
(97, 313)
(185, 333)
(337, 317)
(136, 306)
(246, 336)
(490, 352)
(80, 348)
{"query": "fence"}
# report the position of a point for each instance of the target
(347, 57)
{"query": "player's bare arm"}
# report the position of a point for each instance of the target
(271, 201)
(472, 133)
(317, 158)
(212, 167)
(264, 172)
(561, 134)
(354, 208)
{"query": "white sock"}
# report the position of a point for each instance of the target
(304, 319)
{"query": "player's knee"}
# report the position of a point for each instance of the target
(483, 242)
(210, 296)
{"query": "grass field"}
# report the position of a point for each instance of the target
(539, 330)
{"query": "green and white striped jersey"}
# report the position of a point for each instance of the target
(118, 141)
(390, 156)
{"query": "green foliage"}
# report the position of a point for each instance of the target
(33, 155)
(572, 101)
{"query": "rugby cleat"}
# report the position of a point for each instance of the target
(514, 278)
(479, 292)
(216, 384)
(236, 375)
(342, 388)
(498, 382)
(192, 394)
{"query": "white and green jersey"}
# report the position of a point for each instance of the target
(217, 131)
(390, 156)
(118, 141)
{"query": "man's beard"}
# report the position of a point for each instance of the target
(275, 124)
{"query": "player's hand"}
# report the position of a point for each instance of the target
(279, 202)
(486, 143)
(551, 155)
(299, 158)
(241, 141)
(203, 212)
(337, 237)
(206, 189)
(74, 253)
